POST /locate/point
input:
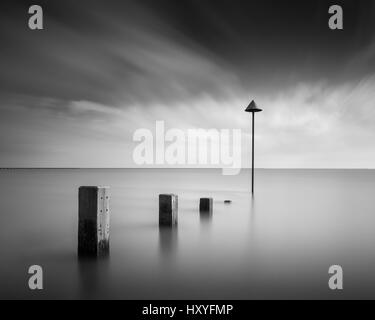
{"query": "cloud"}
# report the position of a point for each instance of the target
(116, 58)
(307, 125)
(74, 94)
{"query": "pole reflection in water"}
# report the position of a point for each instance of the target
(206, 219)
(168, 241)
(206, 216)
(93, 276)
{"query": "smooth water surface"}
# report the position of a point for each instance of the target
(278, 245)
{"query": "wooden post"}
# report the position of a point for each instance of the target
(93, 225)
(206, 205)
(168, 210)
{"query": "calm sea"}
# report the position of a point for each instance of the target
(278, 245)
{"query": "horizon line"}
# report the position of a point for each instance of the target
(173, 168)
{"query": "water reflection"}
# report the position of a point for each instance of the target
(252, 213)
(206, 217)
(93, 275)
(252, 229)
(168, 241)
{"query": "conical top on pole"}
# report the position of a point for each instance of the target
(253, 108)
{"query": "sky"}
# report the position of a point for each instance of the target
(74, 93)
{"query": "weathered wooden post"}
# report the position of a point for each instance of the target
(206, 205)
(93, 225)
(168, 210)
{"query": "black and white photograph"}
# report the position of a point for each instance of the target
(159, 150)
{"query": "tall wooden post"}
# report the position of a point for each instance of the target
(93, 225)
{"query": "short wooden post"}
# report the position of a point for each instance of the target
(206, 205)
(168, 210)
(93, 225)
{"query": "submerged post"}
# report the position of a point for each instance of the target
(168, 210)
(93, 225)
(253, 108)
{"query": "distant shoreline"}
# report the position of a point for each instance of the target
(58, 168)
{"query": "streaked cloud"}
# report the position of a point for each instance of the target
(74, 94)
